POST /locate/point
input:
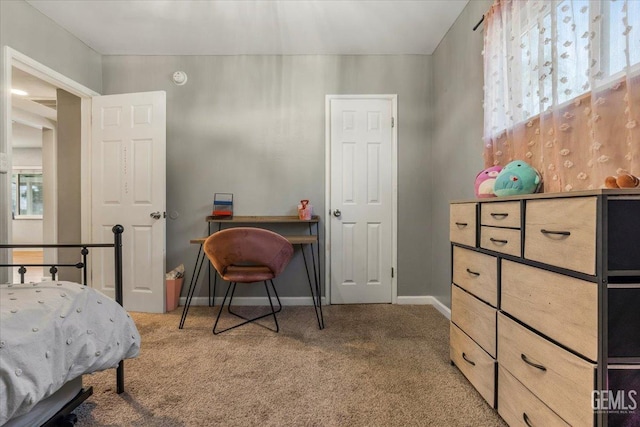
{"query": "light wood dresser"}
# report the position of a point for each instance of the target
(545, 305)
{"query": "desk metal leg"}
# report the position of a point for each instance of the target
(313, 294)
(316, 272)
(192, 285)
(212, 295)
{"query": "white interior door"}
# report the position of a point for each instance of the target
(128, 150)
(361, 200)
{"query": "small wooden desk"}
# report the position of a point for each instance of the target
(301, 240)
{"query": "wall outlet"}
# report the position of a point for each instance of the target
(4, 164)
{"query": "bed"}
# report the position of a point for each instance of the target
(52, 333)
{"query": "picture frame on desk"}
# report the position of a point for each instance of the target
(222, 206)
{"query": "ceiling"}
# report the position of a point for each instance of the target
(37, 89)
(237, 27)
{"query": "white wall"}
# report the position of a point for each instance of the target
(29, 156)
(27, 230)
(26, 158)
(25, 136)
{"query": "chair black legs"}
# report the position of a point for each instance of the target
(271, 303)
(232, 288)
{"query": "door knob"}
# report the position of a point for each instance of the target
(337, 213)
(155, 215)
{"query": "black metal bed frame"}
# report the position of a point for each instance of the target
(65, 413)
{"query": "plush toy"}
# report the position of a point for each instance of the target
(517, 177)
(623, 180)
(485, 181)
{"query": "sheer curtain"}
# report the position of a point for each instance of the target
(562, 89)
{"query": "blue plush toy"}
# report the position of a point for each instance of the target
(517, 177)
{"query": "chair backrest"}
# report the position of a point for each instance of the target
(242, 245)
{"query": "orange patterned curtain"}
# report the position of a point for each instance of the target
(562, 89)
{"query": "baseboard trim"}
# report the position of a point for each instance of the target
(292, 301)
(426, 300)
(203, 301)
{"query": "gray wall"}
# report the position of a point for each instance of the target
(28, 31)
(254, 126)
(457, 133)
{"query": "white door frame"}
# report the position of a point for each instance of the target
(13, 58)
(394, 190)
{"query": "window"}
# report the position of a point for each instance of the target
(561, 88)
(26, 194)
(557, 51)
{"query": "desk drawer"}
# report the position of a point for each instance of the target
(475, 318)
(500, 214)
(477, 273)
(504, 240)
(462, 223)
(562, 381)
(517, 405)
(562, 232)
(474, 363)
(560, 307)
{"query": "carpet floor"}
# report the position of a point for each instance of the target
(373, 365)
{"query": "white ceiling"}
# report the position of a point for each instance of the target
(36, 88)
(236, 27)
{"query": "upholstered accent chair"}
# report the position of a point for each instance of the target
(248, 255)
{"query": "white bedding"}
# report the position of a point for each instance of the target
(53, 332)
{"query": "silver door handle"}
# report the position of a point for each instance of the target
(337, 213)
(155, 215)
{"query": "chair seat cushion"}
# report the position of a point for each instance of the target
(247, 273)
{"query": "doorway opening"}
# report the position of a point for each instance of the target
(33, 172)
(31, 129)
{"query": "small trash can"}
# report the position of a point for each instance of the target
(174, 288)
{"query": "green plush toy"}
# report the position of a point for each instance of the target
(517, 177)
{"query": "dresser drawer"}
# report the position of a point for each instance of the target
(462, 223)
(563, 381)
(518, 406)
(474, 363)
(562, 232)
(504, 240)
(477, 273)
(560, 307)
(500, 214)
(475, 318)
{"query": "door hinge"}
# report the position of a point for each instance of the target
(392, 272)
(393, 122)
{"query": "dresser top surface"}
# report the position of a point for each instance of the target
(600, 192)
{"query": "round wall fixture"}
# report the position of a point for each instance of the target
(179, 78)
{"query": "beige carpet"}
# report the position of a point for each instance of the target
(373, 365)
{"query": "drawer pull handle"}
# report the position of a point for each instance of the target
(526, 419)
(472, 272)
(499, 215)
(529, 362)
(504, 242)
(464, 356)
(559, 233)
(462, 224)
